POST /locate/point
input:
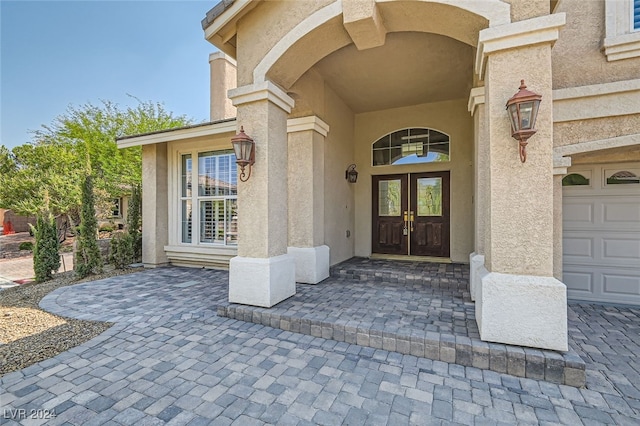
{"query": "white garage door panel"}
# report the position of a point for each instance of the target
(617, 284)
(611, 285)
(601, 238)
(627, 212)
(578, 213)
(578, 247)
(578, 283)
(622, 249)
(593, 248)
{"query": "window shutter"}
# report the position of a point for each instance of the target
(636, 14)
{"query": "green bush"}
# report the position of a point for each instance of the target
(88, 258)
(46, 256)
(107, 228)
(134, 221)
(121, 250)
(26, 245)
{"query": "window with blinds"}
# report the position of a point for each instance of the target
(212, 209)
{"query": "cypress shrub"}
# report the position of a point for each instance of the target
(46, 251)
(122, 250)
(134, 222)
(88, 258)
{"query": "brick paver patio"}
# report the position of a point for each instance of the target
(169, 359)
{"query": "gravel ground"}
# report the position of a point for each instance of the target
(29, 335)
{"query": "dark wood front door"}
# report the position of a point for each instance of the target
(411, 214)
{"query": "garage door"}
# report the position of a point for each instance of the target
(601, 233)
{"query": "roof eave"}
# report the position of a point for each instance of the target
(179, 134)
(220, 23)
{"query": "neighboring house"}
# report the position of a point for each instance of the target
(13, 223)
(115, 214)
(413, 93)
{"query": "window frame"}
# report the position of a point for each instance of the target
(116, 201)
(196, 199)
(372, 150)
(622, 38)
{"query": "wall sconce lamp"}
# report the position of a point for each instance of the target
(523, 112)
(351, 174)
(245, 150)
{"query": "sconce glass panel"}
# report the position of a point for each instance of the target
(526, 110)
(411, 146)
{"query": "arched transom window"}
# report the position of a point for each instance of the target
(411, 146)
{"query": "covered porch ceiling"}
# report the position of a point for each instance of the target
(409, 69)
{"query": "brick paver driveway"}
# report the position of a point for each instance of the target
(170, 359)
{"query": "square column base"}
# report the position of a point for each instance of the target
(522, 310)
(312, 263)
(476, 263)
(261, 282)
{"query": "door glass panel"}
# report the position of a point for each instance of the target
(429, 196)
(389, 198)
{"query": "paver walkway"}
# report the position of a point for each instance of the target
(171, 360)
(18, 270)
(415, 308)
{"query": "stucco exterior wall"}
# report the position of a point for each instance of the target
(618, 155)
(521, 10)
(578, 59)
(571, 132)
(521, 194)
(339, 211)
(255, 39)
(154, 193)
(450, 117)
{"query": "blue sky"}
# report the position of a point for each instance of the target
(57, 53)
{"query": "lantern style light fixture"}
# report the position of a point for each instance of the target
(245, 150)
(351, 174)
(523, 112)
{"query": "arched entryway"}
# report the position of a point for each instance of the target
(319, 82)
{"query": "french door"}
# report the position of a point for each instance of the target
(411, 214)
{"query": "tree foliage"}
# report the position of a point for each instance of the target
(121, 250)
(88, 258)
(46, 251)
(54, 161)
(134, 221)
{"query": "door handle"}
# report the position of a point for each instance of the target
(411, 220)
(405, 230)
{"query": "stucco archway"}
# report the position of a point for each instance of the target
(324, 32)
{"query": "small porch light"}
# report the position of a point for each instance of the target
(245, 150)
(523, 112)
(351, 174)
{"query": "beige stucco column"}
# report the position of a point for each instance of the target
(263, 274)
(481, 185)
(223, 76)
(306, 198)
(519, 301)
(155, 205)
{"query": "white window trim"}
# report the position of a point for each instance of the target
(195, 200)
(119, 215)
(371, 150)
(622, 41)
(175, 151)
